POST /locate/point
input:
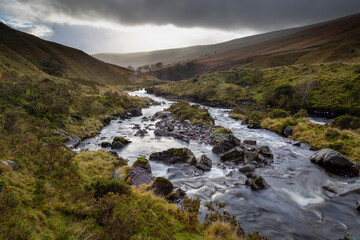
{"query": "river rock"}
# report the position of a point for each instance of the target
(105, 144)
(335, 162)
(247, 168)
(136, 112)
(108, 119)
(235, 155)
(162, 114)
(288, 131)
(174, 155)
(257, 182)
(119, 142)
(225, 142)
(72, 142)
(266, 152)
(162, 186)
(140, 172)
(249, 142)
(141, 132)
(205, 163)
(176, 195)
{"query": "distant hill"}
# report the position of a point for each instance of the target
(30, 55)
(333, 37)
(170, 56)
(335, 40)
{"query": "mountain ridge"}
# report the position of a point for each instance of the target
(61, 61)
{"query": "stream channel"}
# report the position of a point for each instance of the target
(296, 206)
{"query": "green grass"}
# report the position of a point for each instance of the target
(318, 136)
(195, 113)
(329, 86)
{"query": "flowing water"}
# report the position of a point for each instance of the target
(296, 206)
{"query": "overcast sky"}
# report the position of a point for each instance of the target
(143, 25)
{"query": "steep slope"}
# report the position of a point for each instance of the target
(335, 40)
(170, 56)
(59, 60)
(344, 30)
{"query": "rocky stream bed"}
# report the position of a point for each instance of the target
(298, 199)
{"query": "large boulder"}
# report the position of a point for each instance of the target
(176, 195)
(205, 163)
(225, 142)
(174, 155)
(162, 186)
(136, 112)
(140, 172)
(335, 162)
(119, 142)
(288, 131)
(235, 155)
(256, 182)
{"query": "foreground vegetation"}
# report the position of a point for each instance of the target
(51, 192)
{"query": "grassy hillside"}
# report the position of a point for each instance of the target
(332, 38)
(58, 60)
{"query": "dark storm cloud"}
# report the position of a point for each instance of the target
(222, 14)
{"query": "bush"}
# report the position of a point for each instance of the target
(105, 186)
(279, 113)
(346, 122)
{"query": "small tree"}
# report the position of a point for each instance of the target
(305, 87)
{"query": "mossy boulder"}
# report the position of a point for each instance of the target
(174, 155)
(335, 162)
(119, 142)
(234, 155)
(162, 186)
(256, 182)
(225, 140)
(176, 195)
(140, 172)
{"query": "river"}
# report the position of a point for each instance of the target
(296, 206)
